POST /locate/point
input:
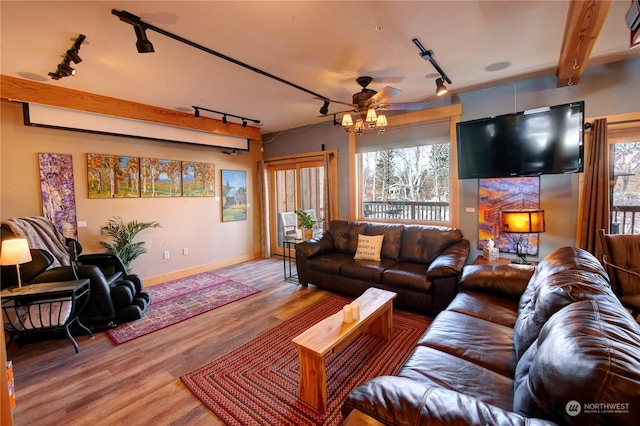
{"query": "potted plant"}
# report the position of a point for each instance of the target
(306, 222)
(122, 235)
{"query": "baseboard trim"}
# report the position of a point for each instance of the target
(158, 279)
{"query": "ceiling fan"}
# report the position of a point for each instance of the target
(366, 103)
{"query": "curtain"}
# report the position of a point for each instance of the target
(594, 211)
(263, 187)
(328, 184)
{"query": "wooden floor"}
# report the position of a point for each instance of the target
(138, 382)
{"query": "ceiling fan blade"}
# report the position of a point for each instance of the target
(336, 102)
(404, 106)
(384, 94)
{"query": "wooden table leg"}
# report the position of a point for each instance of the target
(383, 325)
(312, 385)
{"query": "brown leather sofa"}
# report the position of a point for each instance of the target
(421, 264)
(558, 348)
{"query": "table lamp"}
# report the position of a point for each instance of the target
(518, 223)
(15, 252)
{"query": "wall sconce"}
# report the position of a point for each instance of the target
(15, 252)
(518, 223)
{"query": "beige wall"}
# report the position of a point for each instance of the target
(187, 222)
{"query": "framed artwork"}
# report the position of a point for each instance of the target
(160, 178)
(234, 195)
(58, 192)
(506, 194)
(198, 179)
(113, 176)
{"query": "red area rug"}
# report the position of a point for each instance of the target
(257, 383)
(179, 300)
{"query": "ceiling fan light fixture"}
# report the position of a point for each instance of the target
(381, 123)
(441, 89)
(371, 116)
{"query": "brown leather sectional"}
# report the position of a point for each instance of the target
(422, 264)
(517, 345)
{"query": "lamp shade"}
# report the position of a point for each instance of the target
(347, 120)
(15, 252)
(522, 221)
(371, 116)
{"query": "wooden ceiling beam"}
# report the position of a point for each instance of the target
(584, 22)
(17, 89)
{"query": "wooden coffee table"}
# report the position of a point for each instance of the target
(332, 334)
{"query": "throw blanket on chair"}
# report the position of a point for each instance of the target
(41, 233)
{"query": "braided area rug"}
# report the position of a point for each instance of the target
(179, 300)
(257, 383)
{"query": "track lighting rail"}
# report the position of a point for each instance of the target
(64, 68)
(224, 115)
(134, 20)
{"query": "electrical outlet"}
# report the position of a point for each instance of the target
(166, 254)
(185, 251)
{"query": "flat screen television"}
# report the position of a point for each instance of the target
(535, 142)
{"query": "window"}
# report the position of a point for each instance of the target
(409, 184)
(625, 188)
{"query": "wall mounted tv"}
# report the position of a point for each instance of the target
(529, 143)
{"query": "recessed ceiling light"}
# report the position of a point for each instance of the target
(379, 28)
(497, 66)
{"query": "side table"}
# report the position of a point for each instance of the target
(288, 244)
(37, 308)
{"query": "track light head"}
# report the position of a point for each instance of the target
(72, 55)
(441, 89)
(224, 119)
(55, 75)
(244, 123)
(142, 44)
(197, 113)
(324, 109)
(65, 70)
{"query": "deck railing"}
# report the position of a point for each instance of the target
(625, 220)
(428, 211)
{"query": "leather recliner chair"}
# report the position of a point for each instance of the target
(115, 296)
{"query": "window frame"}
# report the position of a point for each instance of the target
(450, 113)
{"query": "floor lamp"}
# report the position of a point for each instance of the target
(15, 252)
(518, 223)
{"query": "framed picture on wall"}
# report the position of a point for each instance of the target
(506, 194)
(113, 176)
(160, 178)
(198, 179)
(58, 192)
(234, 195)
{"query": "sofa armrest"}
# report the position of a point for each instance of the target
(504, 280)
(316, 246)
(401, 401)
(450, 262)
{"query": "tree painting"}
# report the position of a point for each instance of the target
(113, 176)
(160, 178)
(58, 192)
(198, 179)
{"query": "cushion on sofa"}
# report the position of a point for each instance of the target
(366, 270)
(329, 263)
(434, 368)
(369, 247)
(345, 235)
(421, 244)
(486, 306)
(481, 342)
(407, 275)
(586, 355)
(392, 238)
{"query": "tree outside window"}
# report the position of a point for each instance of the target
(406, 183)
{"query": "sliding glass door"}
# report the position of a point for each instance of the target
(295, 185)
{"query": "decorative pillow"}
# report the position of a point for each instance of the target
(369, 247)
